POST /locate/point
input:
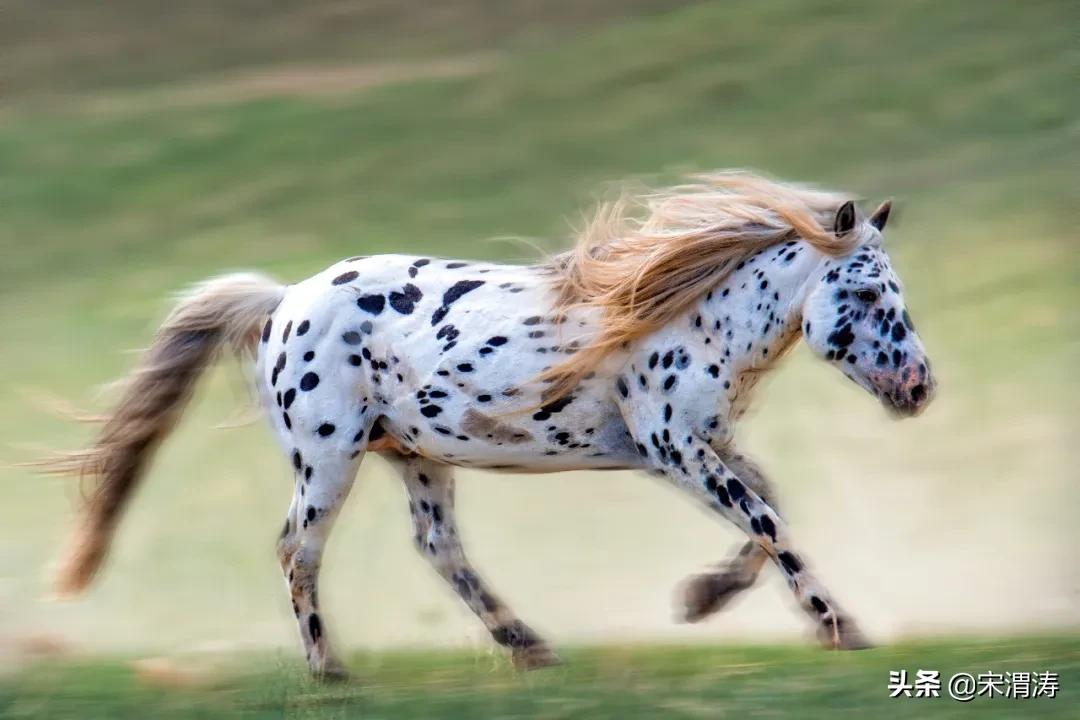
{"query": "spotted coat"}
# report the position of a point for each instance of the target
(433, 363)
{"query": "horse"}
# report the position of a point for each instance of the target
(638, 348)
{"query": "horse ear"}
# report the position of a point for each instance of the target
(845, 219)
(881, 215)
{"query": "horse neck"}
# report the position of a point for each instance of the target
(754, 315)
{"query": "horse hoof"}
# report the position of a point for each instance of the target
(705, 594)
(847, 636)
(333, 672)
(534, 658)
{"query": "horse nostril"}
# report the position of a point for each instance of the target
(918, 393)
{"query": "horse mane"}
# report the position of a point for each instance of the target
(641, 261)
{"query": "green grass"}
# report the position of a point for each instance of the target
(63, 47)
(116, 189)
(607, 682)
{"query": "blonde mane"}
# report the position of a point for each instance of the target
(643, 261)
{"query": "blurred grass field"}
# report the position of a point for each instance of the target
(608, 682)
(143, 148)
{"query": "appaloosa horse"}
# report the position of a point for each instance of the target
(636, 349)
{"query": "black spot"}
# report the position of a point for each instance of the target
(345, 277)
(898, 332)
(314, 627)
(768, 527)
(533, 320)
(326, 429)
(514, 635)
(549, 409)
(297, 459)
(790, 562)
(302, 328)
(288, 329)
(723, 496)
(290, 395)
(497, 341)
(430, 410)
(371, 303)
(356, 360)
(405, 301)
(266, 330)
(465, 367)
(620, 385)
(309, 356)
(278, 367)
(453, 295)
(842, 337)
(483, 398)
(309, 381)
(310, 513)
(735, 488)
(818, 605)
(669, 383)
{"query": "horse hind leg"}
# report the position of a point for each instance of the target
(430, 489)
(323, 479)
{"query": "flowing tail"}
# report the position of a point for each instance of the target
(225, 312)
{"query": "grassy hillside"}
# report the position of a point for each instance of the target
(124, 177)
(65, 47)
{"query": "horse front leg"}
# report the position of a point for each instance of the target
(678, 453)
(704, 594)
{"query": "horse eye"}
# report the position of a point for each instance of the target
(866, 296)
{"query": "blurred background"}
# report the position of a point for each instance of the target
(145, 145)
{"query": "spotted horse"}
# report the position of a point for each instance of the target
(636, 349)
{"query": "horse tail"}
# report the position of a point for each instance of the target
(224, 312)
